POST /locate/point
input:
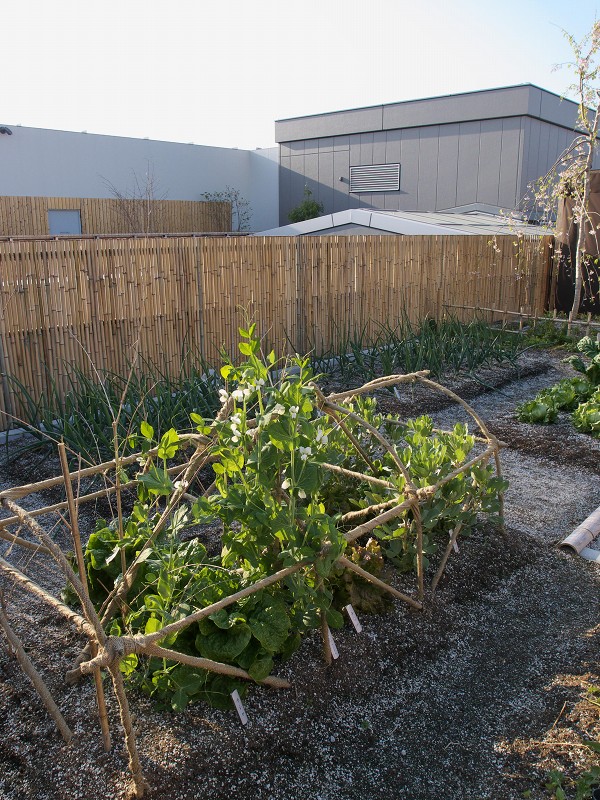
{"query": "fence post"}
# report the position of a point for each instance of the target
(300, 338)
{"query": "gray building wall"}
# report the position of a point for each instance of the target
(45, 163)
(480, 147)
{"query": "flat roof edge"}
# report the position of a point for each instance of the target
(520, 100)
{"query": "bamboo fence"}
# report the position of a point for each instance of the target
(28, 216)
(101, 303)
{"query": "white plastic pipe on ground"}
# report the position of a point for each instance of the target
(583, 535)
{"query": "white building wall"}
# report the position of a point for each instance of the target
(46, 163)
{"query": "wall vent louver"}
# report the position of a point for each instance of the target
(375, 178)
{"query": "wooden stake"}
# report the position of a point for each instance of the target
(100, 699)
(345, 562)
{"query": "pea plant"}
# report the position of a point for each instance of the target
(309, 494)
(294, 472)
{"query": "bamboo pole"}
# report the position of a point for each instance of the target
(440, 570)
(18, 540)
(537, 318)
(82, 625)
(100, 638)
(345, 562)
(74, 526)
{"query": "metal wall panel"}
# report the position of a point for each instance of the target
(341, 169)
(469, 106)
(490, 149)
(341, 143)
(393, 147)
(428, 159)
(447, 167)
(468, 162)
(510, 161)
(325, 193)
(366, 149)
(379, 140)
(355, 149)
(311, 172)
(339, 122)
(326, 145)
(297, 181)
(311, 146)
(409, 170)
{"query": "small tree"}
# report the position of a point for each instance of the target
(308, 208)
(570, 175)
(241, 211)
(137, 208)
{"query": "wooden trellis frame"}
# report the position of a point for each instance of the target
(106, 652)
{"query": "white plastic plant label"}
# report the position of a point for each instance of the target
(353, 618)
(334, 650)
(239, 707)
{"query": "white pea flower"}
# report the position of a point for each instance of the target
(236, 420)
(285, 485)
(180, 485)
(301, 494)
(248, 391)
(235, 439)
(294, 411)
(237, 394)
(234, 430)
(305, 452)
(260, 382)
(279, 409)
(321, 436)
(223, 396)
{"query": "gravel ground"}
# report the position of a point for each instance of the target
(475, 698)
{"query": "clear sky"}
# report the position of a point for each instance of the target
(219, 72)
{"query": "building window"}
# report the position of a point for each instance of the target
(375, 178)
(64, 223)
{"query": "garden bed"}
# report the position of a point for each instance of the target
(478, 696)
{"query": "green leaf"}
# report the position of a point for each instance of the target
(128, 664)
(169, 444)
(271, 624)
(261, 668)
(224, 645)
(334, 618)
(179, 700)
(593, 745)
(157, 481)
(152, 625)
(147, 430)
(245, 348)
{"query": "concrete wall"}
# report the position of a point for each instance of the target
(481, 147)
(46, 163)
